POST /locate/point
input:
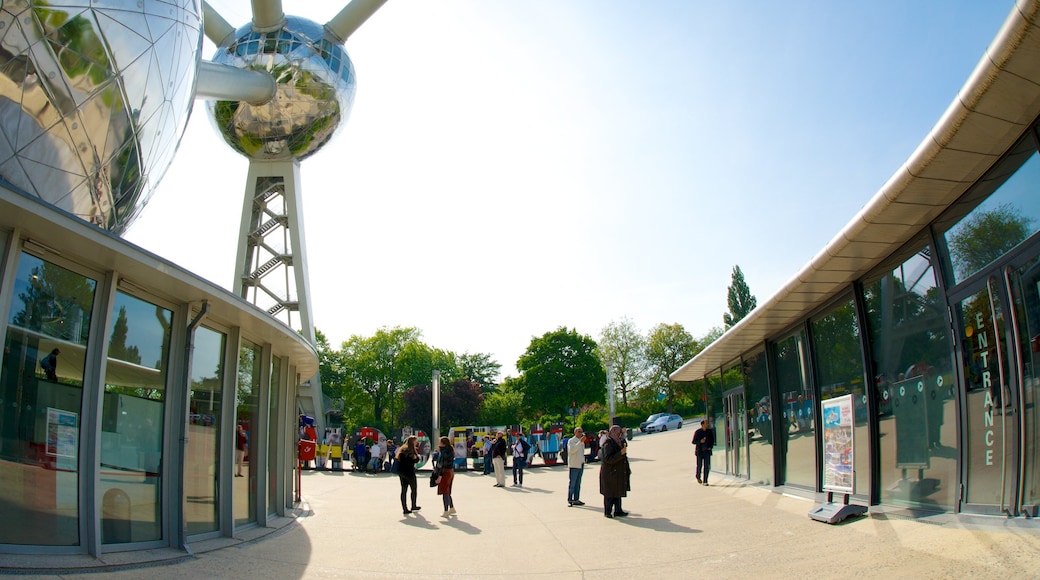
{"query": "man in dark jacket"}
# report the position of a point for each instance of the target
(703, 441)
(498, 459)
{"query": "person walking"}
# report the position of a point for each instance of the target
(575, 466)
(614, 473)
(703, 441)
(407, 457)
(498, 459)
(241, 445)
(520, 450)
(446, 469)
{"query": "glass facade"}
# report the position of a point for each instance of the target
(272, 436)
(133, 408)
(41, 399)
(760, 417)
(82, 403)
(247, 404)
(909, 334)
(797, 432)
(839, 372)
(202, 463)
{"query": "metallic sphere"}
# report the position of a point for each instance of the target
(94, 98)
(315, 91)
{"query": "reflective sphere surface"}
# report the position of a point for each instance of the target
(94, 98)
(316, 85)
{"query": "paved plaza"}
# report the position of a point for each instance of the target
(351, 526)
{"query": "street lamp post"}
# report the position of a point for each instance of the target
(610, 391)
(436, 408)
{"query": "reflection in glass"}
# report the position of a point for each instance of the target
(40, 410)
(1008, 213)
(760, 418)
(130, 492)
(839, 367)
(272, 437)
(247, 403)
(797, 432)
(913, 376)
(715, 414)
(202, 463)
(1025, 291)
(990, 430)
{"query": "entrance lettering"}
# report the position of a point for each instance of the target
(982, 346)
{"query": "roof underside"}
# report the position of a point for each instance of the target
(993, 109)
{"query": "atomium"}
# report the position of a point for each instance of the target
(314, 93)
(94, 100)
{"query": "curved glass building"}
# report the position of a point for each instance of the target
(901, 365)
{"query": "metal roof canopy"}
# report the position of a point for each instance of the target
(997, 104)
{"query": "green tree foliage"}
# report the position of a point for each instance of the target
(505, 406)
(985, 236)
(560, 367)
(481, 369)
(739, 299)
(623, 346)
(373, 365)
(668, 347)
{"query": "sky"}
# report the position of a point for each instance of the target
(513, 167)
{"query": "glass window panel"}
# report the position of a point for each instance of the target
(202, 464)
(716, 415)
(1025, 290)
(130, 492)
(760, 418)
(839, 366)
(247, 401)
(40, 403)
(909, 331)
(797, 433)
(273, 459)
(1004, 211)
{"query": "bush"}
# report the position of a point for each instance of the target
(592, 420)
(628, 418)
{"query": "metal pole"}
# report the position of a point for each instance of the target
(610, 391)
(436, 408)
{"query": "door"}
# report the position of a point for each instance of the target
(735, 432)
(1023, 282)
(990, 403)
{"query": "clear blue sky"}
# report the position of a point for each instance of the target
(511, 167)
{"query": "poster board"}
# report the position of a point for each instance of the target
(838, 445)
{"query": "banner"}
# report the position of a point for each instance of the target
(838, 448)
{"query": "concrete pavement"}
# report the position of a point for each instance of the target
(351, 526)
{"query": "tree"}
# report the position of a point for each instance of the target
(668, 347)
(986, 236)
(559, 368)
(481, 369)
(374, 365)
(624, 347)
(505, 406)
(460, 404)
(739, 299)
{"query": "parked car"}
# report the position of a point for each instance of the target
(664, 423)
(650, 419)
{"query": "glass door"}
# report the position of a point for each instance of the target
(988, 390)
(1023, 281)
(736, 433)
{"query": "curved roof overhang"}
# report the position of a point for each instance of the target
(991, 112)
(64, 234)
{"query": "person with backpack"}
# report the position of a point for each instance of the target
(520, 449)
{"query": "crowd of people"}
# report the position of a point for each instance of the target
(610, 448)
